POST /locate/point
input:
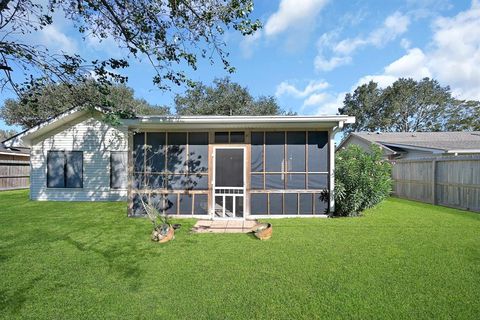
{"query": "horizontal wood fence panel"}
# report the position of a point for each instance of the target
(448, 181)
(14, 174)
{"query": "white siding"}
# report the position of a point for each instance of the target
(96, 139)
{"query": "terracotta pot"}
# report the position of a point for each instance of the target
(263, 231)
(163, 234)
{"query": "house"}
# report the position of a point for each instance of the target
(192, 166)
(414, 145)
(14, 153)
(14, 167)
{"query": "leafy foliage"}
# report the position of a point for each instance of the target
(170, 35)
(7, 133)
(40, 103)
(409, 105)
(362, 180)
(224, 98)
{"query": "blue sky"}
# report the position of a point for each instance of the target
(311, 52)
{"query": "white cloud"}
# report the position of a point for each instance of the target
(248, 44)
(314, 97)
(292, 13)
(452, 57)
(286, 88)
(53, 38)
(393, 26)
(322, 64)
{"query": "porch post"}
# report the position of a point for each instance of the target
(331, 169)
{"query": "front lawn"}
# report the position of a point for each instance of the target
(88, 260)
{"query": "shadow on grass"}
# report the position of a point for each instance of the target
(14, 300)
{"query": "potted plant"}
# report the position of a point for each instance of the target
(163, 230)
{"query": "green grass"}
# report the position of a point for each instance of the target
(88, 260)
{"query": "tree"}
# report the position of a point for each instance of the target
(408, 105)
(7, 133)
(224, 98)
(40, 103)
(365, 104)
(169, 34)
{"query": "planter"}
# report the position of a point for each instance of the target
(163, 234)
(263, 231)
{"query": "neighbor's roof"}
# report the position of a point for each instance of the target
(450, 142)
(22, 152)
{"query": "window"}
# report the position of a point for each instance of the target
(171, 160)
(289, 160)
(230, 137)
(288, 170)
(65, 169)
(118, 170)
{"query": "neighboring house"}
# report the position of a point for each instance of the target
(14, 166)
(200, 166)
(414, 145)
(18, 153)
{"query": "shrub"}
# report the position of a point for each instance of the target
(362, 180)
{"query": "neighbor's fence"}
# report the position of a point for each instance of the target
(448, 181)
(14, 174)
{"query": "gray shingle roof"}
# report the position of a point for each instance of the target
(433, 140)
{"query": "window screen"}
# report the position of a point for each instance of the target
(138, 151)
(155, 151)
(257, 152)
(296, 141)
(274, 151)
(276, 203)
(65, 169)
(259, 203)
(237, 137)
(221, 137)
(198, 152)
(306, 203)
(321, 207)
(118, 170)
(317, 151)
(291, 203)
(177, 152)
(200, 204)
(186, 201)
(229, 168)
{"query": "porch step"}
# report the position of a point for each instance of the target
(224, 226)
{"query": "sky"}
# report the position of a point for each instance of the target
(310, 53)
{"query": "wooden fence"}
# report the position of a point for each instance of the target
(14, 174)
(448, 181)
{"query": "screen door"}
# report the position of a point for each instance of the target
(229, 183)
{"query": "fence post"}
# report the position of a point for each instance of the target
(434, 181)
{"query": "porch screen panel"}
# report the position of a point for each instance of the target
(171, 169)
(155, 148)
(200, 206)
(274, 151)
(198, 152)
(318, 151)
(292, 166)
(259, 203)
(177, 152)
(257, 152)
(296, 141)
(186, 201)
